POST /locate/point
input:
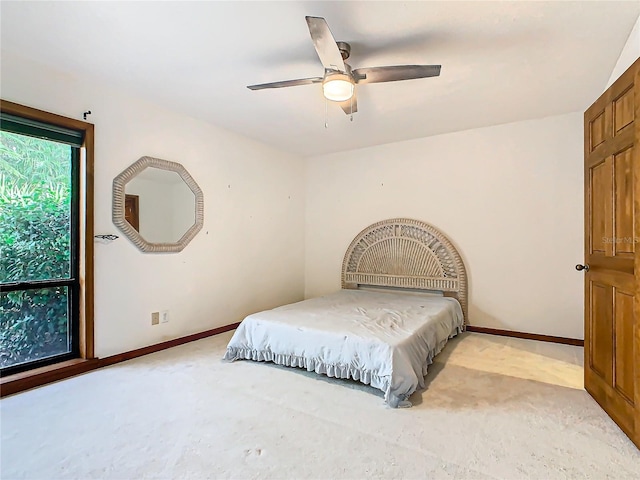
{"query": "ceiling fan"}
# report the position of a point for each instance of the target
(340, 80)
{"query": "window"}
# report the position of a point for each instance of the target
(46, 239)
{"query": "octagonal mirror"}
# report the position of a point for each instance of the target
(157, 205)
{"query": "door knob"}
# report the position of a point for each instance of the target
(582, 267)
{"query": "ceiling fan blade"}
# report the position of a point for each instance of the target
(350, 106)
(325, 44)
(395, 73)
(286, 83)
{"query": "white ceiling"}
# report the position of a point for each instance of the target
(501, 61)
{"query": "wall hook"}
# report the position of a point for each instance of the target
(107, 237)
(84, 115)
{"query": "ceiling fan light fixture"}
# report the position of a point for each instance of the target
(338, 87)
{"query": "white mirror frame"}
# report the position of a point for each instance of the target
(119, 200)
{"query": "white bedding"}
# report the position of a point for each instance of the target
(386, 340)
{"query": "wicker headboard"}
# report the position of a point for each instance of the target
(405, 253)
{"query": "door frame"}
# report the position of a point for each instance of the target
(134, 220)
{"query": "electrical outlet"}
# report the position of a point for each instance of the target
(155, 318)
(164, 316)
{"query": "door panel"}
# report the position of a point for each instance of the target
(598, 132)
(601, 219)
(612, 229)
(623, 307)
(624, 243)
(601, 327)
(623, 110)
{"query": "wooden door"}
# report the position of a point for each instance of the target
(612, 233)
(131, 211)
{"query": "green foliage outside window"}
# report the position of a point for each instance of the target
(35, 199)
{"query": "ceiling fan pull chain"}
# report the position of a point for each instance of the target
(351, 101)
(326, 119)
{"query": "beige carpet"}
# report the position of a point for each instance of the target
(496, 408)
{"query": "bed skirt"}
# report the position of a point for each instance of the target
(395, 399)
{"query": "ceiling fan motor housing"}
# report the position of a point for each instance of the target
(345, 49)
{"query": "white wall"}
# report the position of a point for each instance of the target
(249, 255)
(509, 196)
(630, 53)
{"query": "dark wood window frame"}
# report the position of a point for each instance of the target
(86, 357)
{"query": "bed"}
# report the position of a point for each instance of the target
(403, 296)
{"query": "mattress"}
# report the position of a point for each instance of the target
(386, 340)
